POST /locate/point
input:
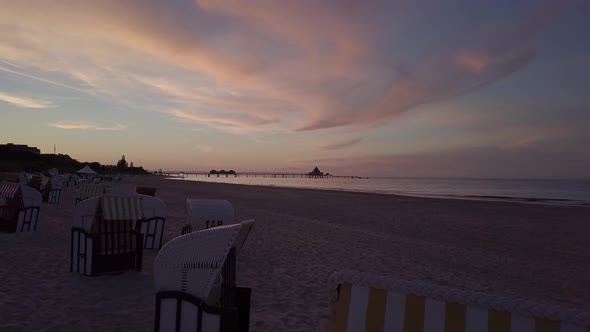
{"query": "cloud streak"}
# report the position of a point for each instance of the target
(25, 102)
(87, 126)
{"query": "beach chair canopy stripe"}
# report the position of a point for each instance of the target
(88, 191)
(8, 190)
(364, 305)
(122, 207)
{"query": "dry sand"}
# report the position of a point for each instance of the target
(300, 238)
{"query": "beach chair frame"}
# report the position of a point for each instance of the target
(98, 253)
(361, 302)
(208, 253)
(152, 225)
(53, 196)
(104, 246)
(228, 317)
(152, 230)
(52, 191)
(24, 220)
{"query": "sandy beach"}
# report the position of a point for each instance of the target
(302, 236)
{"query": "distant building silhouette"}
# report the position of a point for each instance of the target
(19, 148)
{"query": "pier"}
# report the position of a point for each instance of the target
(185, 174)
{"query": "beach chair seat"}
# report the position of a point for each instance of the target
(365, 302)
(104, 237)
(187, 274)
(207, 213)
(151, 226)
(19, 207)
(87, 191)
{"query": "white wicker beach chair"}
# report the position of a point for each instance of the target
(185, 273)
(206, 213)
(19, 207)
(104, 236)
(152, 224)
(364, 302)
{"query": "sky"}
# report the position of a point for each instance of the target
(458, 88)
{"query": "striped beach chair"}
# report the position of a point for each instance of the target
(363, 302)
(87, 191)
(207, 213)
(19, 207)
(104, 236)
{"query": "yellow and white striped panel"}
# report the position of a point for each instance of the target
(122, 207)
(379, 310)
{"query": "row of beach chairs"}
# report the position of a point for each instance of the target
(195, 273)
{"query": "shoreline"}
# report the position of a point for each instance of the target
(301, 236)
(486, 198)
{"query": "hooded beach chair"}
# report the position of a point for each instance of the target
(365, 302)
(190, 288)
(53, 189)
(87, 191)
(207, 213)
(104, 236)
(19, 207)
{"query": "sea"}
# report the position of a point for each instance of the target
(534, 191)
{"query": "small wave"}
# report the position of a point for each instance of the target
(553, 201)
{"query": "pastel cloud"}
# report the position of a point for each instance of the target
(25, 102)
(87, 126)
(263, 68)
(340, 144)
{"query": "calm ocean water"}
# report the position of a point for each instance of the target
(562, 192)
